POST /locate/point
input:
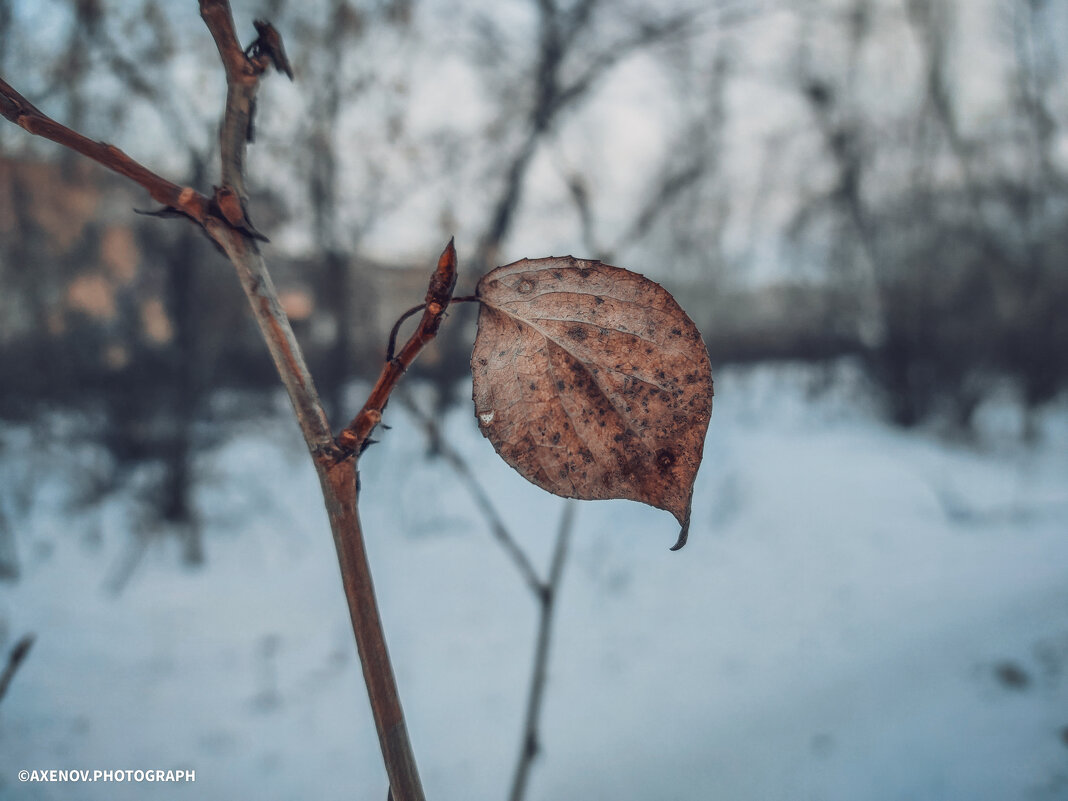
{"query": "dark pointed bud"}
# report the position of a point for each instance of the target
(269, 44)
(444, 279)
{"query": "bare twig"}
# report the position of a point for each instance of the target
(337, 475)
(391, 348)
(242, 78)
(242, 82)
(560, 32)
(479, 495)
(224, 219)
(439, 293)
(14, 659)
(530, 744)
(545, 592)
(24, 114)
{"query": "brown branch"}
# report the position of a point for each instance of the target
(354, 437)
(277, 333)
(530, 744)
(337, 476)
(14, 659)
(242, 83)
(340, 492)
(24, 114)
(228, 227)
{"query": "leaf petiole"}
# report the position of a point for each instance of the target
(391, 348)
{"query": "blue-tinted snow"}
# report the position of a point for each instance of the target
(834, 629)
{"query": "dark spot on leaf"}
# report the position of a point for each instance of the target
(665, 458)
(578, 334)
(555, 439)
(558, 275)
(584, 272)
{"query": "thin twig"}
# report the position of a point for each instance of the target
(242, 82)
(15, 658)
(545, 592)
(24, 114)
(352, 438)
(391, 348)
(479, 496)
(242, 78)
(530, 744)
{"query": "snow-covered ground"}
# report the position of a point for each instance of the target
(860, 613)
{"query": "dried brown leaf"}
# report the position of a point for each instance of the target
(592, 382)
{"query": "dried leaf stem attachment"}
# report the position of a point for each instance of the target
(391, 349)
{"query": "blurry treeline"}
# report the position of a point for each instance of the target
(882, 180)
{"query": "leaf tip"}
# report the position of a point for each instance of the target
(684, 534)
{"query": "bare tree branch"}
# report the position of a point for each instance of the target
(530, 744)
(14, 659)
(439, 293)
(647, 34)
(242, 83)
(225, 220)
(24, 114)
(481, 498)
(560, 31)
(337, 475)
(545, 592)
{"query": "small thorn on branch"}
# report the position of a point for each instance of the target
(232, 209)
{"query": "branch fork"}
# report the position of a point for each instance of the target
(223, 216)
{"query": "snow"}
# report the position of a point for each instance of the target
(840, 625)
